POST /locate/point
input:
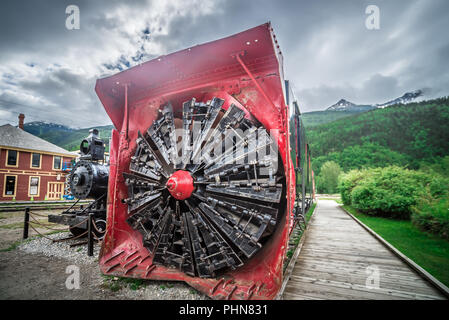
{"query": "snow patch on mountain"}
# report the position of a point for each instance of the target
(406, 98)
(345, 105)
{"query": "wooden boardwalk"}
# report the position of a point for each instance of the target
(340, 260)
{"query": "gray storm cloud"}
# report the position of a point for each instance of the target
(49, 72)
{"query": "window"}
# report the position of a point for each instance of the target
(9, 189)
(57, 163)
(12, 158)
(34, 187)
(36, 160)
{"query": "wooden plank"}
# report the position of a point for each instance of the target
(443, 289)
(323, 239)
(385, 282)
(351, 259)
(361, 289)
(296, 296)
(354, 257)
(293, 260)
(360, 251)
(334, 293)
(395, 273)
(334, 258)
(344, 266)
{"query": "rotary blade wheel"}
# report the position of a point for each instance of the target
(210, 202)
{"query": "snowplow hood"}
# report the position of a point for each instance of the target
(211, 63)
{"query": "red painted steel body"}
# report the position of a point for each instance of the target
(244, 69)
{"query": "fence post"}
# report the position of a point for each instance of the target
(90, 238)
(26, 223)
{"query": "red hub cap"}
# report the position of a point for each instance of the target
(180, 185)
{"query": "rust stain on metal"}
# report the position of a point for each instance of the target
(112, 267)
(114, 256)
(227, 282)
(230, 293)
(133, 267)
(216, 286)
(131, 254)
(151, 268)
(131, 261)
(145, 258)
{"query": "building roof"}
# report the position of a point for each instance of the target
(13, 137)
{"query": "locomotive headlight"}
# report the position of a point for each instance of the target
(77, 179)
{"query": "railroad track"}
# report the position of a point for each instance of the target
(17, 206)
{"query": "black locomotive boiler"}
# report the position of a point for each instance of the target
(88, 179)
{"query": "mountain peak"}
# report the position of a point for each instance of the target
(345, 105)
(342, 104)
(404, 99)
(344, 101)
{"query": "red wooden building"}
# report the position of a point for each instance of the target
(30, 167)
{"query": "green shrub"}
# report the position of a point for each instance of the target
(327, 181)
(389, 191)
(347, 182)
(438, 186)
(366, 155)
(439, 166)
(432, 214)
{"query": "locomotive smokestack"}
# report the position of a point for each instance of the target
(21, 118)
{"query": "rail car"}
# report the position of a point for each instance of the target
(209, 167)
(88, 179)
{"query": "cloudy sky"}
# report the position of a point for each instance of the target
(48, 72)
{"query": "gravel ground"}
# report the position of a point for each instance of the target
(11, 226)
(77, 255)
(36, 269)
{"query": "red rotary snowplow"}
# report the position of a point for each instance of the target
(202, 182)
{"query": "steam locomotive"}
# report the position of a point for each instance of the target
(88, 179)
(209, 167)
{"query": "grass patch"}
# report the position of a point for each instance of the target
(310, 212)
(429, 251)
(14, 245)
(17, 243)
(297, 238)
(19, 225)
(117, 283)
(11, 214)
(15, 225)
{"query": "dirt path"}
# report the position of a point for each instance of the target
(35, 276)
(36, 269)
